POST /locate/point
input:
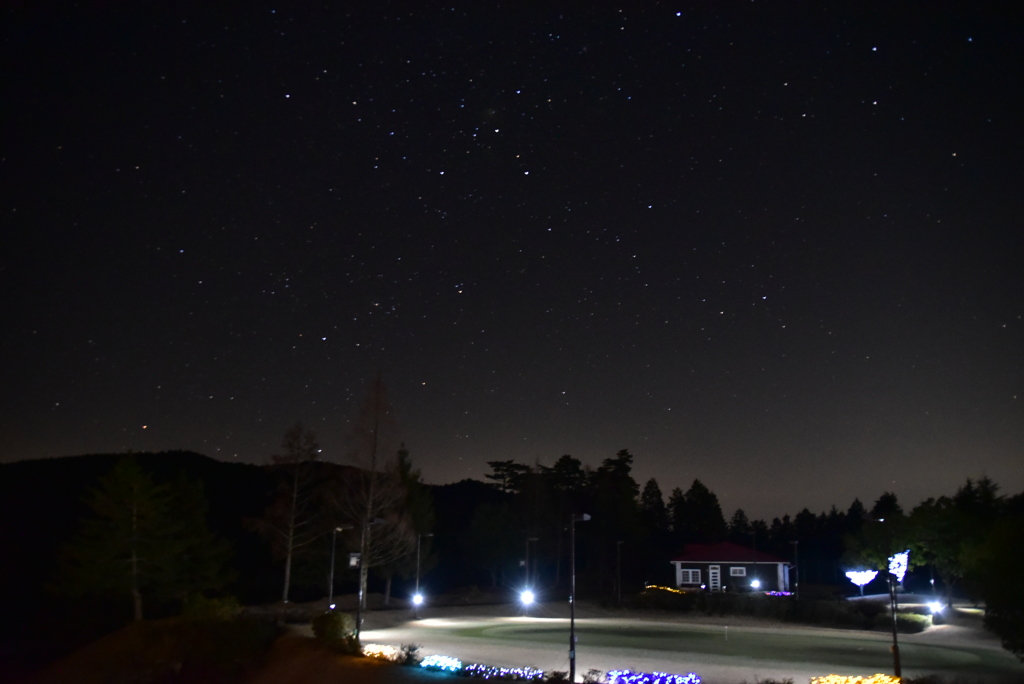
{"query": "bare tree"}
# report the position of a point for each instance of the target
(291, 521)
(372, 496)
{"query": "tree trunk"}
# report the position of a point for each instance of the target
(136, 593)
(387, 591)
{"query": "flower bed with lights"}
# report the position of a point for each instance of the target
(630, 677)
(840, 679)
(443, 663)
(491, 672)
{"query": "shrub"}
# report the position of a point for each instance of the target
(557, 677)
(410, 655)
(592, 677)
(198, 607)
(912, 624)
(337, 630)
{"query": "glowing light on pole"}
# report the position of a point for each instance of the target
(862, 577)
(898, 563)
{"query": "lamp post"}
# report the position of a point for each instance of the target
(362, 550)
(897, 569)
(417, 598)
(528, 540)
(618, 571)
(330, 575)
(796, 568)
(572, 593)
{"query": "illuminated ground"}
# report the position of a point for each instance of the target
(719, 650)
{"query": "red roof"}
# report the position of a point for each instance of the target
(725, 552)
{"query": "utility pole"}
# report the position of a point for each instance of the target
(618, 571)
(528, 540)
(572, 593)
(417, 598)
(330, 575)
(796, 568)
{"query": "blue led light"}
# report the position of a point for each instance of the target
(491, 672)
(441, 662)
(630, 677)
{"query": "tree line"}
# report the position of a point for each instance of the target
(149, 540)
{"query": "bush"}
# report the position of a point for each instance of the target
(557, 677)
(592, 677)
(912, 624)
(198, 607)
(410, 655)
(337, 630)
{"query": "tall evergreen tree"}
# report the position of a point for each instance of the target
(144, 540)
(652, 506)
(702, 518)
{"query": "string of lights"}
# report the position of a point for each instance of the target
(841, 679)
(441, 662)
(491, 672)
(630, 677)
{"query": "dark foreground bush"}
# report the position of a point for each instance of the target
(824, 612)
(172, 649)
(337, 630)
(198, 607)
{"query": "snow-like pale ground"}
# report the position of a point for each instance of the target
(433, 632)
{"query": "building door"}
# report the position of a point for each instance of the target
(715, 577)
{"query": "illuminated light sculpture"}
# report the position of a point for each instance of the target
(861, 577)
(630, 677)
(441, 662)
(898, 565)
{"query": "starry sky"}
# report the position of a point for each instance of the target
(773, 246)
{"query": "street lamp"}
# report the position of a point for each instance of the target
(362, 568)
(572, 593)
(528, 540)
(417, 597)
(330, 575)
(898, 563)
(796, 568)
(618, 571)
(861, 577)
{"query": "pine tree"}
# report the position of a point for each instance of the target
(143, 540)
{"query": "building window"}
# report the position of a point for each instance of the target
(689, 576)
(737, 572)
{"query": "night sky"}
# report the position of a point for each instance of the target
(774, 246)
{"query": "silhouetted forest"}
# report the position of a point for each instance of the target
(476, 534)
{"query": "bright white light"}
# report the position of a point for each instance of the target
(898, 564)
(332, 606)
(935, 607)
(418, 599)
(861, 577)
(756, 584)
(526, 597)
